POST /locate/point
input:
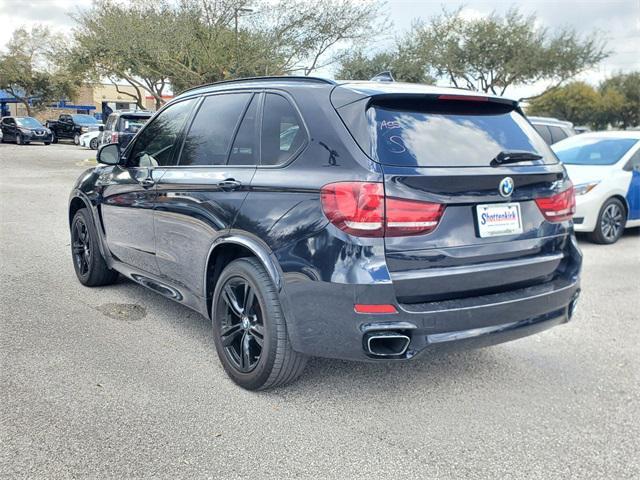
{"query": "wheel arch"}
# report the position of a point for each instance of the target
(225, 250)
(623, 200)
(75, 204)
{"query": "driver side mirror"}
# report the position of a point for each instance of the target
(101, 128)
(109, 154)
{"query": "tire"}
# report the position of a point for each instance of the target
(611, 221)
(47, 143)
(54, 139)
(76, 139)
(275, 363)
(88, 263)
(93, 144)
(19, 140)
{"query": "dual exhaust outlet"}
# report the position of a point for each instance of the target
(386, 344)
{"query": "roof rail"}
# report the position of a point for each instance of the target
(298, 78)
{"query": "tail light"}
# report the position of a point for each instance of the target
(558, 207)
(114, 137)
(361, 209)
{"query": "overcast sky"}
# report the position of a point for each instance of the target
(618, 20)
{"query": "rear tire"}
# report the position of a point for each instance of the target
(91, 268)
(250, 331)
(611, 221)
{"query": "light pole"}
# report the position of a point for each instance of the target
(235, 18)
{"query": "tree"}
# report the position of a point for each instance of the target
(577, 102)
(191, 42)
(404, 68)
(124, 43)
(621, 96)
(493, 53)
(27, 72)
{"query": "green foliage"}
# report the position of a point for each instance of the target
(404, 68)
(29, 74)
(621, 99)
(577, 102)
(492, 53)
(616, 103)
(191, 42)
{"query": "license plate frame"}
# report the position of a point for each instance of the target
(499, 219)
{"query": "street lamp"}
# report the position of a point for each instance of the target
(236, 11)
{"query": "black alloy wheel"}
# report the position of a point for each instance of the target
(81, 246)
(88, 263)
(242, 332)
(250, 331)
(611, 222)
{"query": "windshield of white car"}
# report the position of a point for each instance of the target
(582, 150)
(28, 122)
(84, 119)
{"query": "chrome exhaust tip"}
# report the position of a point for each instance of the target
(386, 344)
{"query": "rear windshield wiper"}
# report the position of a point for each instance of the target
(514, 156)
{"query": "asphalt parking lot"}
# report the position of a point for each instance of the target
(120, 382)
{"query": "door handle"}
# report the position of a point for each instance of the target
(229, 184)
(147, 182)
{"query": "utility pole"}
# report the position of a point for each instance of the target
(235, 19)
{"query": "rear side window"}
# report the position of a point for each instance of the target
(557, 133)
(209, 138)
(131, 123)
(449, 133)
(544, 133)
(282, 131)
(245, 150)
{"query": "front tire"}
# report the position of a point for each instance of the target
(76, 139)
(90, 267)
(93, 144)
(250, 331)
(611, 221)
(19, 140)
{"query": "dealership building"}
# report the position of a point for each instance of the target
(93, 99)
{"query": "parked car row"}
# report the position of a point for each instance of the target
(84, 130)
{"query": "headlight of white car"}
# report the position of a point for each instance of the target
(584, 188)
(84, 129)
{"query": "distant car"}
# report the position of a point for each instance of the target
(122, 126)
(552, 129)
(581, 129)
(72, 126)
(24, 130)
(605, 170)
(90, 139)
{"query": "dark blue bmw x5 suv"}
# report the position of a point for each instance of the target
(354, 220)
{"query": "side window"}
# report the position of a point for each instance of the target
(110, 121)
(544, 133)
(211, 132)
(244, 150)
(557, 133)
(634, 162)
(156, 144)
(282, 131)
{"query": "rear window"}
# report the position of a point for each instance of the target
(450, 134)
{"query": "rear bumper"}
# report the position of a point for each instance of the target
(322, 322)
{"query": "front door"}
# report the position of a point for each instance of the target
(200, 197)
(129, 191)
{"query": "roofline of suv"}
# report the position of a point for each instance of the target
(295, 78)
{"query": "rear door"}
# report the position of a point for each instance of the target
(200, 197)
(491, 235)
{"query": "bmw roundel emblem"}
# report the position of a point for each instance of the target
(506, 187)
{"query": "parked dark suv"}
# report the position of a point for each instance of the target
(122, 126)
(361, 221)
